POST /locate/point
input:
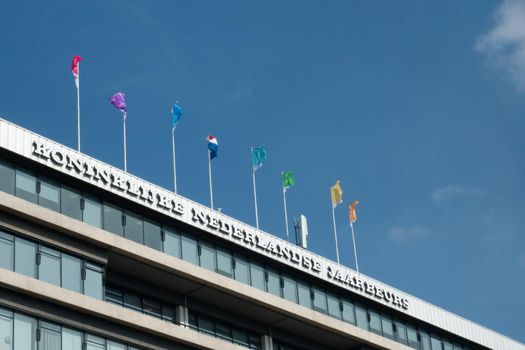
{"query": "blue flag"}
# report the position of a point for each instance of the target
(176, 113)
(258, 157)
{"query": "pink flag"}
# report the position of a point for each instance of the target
(74, 67)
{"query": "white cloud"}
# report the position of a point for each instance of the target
(454, 191)
(403, 233)
(504, 43)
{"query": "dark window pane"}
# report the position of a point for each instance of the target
(49, 268)
(151, 307)
(375, 322)
(50, 337)
(206, 325)
(412, 337)
(70, 203)
(7, 177)
(401, 333)
(93, 282)
(240, 337)
(134, 227)
(25, 257)
(361, 317)
(6, 332)
(189, 249)
(168, 313)
(348, 311)
(71, 273)
(242, 270)
(273, 282)
(319, 299)
(223, 331)
(172, 242)
(71, 339)
(132, 301)
(49, 195)
(257, 274)
(92, 213)
(7, 246)
(425, 341)
(289, 288)
(207, 258)
(388, 326)
(113, 219)
(152, 236)
(224, 262)
(333, 306)
(24, 332)
(25, 185)
(114, 295)
(303, 291)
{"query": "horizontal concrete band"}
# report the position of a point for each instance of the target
(154, 258)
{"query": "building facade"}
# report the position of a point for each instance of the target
(92, 257)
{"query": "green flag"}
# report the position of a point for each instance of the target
(288, 179)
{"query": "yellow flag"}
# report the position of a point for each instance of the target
(337, 194)
(351, 211)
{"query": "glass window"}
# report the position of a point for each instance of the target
(257, 274)
(425, 341)
(132, 301)
(70, 203)
(224, 262)
(25, 185)
(189, 249)
(152, 235)
(116, 346)
(168, 312)
(388, 326)
(447, 345)
(172, 242)
(113, 219)
(6, 251)
(255, 341)
(240, 337)
(114, 295)
(49, 268)
(361, 317)
(401, 333)
(223, 331)
(92, 213)
(151, 307)
(242, 270)
(333, 306)
(412, 337)
(93, 282)
(49, 195)
(133, 228)
(50, 337)
(95, 343)
(7, 177)
(348, 311)
(71, 273)
(375, 322)
(71, 339)
(206, 325)
(289, 288)
(207, 256)
(435, 343)
(303, 292)
(273, 282)
(25, 257)
(6, 332)
(24, 333)
(319, 301)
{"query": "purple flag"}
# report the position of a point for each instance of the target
(118, 101)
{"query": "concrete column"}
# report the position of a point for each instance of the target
(267, 343)
(181, 315)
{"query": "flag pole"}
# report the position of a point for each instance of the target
(124, 130)
(209, 173)
(78, 106)
(255, 199)
(335, 234)
(174, 164)
(355, 250)
(286, 214)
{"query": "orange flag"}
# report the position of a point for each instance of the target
(351, 211)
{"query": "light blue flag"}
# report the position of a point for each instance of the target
(258, 157)
(176, 113)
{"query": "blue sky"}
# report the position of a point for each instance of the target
(417, 107)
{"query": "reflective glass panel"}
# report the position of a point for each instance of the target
(242, 270)
(171, 242)
(207, 258)
(134, 229)
(49, 268)
(132, 301)
(115, 346)
(289, 288)
(71, 339)
(240, 337)
(447, 345)
(24, 333)
(70, 203)
(361, 317)
(412, 337)
(152, 235)
(6, 333)
(25, 257)
(92, 213)
(425, 341)
(388, 326)
(7, 177)
(348, 311)
(113, 219)
(71, 273)
(206, 325)
(189, 249)
(435, 343)
(6, 251)
(333, 306)
(223, 331)
(50, 337)
(303, 292)
(93, 282)
(95, 343)
(319, 301)
(375, 322)
(114, 295)
(257, 275)
(401, 333)
(151, 307)
(273, 282)
(25, 185)
(224, 262)
(49, 195)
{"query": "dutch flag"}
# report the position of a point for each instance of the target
(213, 146)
